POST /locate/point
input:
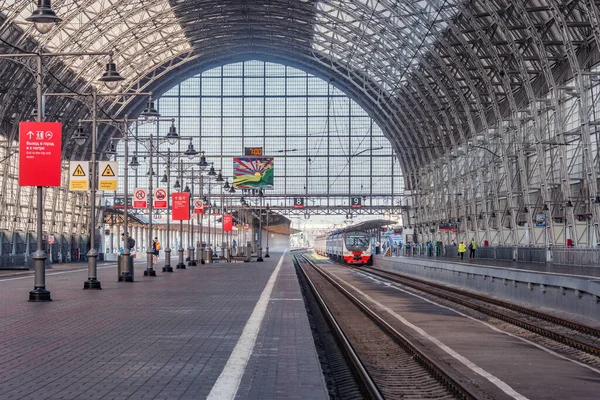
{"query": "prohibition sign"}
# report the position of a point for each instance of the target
(139, 198)
(161, 194)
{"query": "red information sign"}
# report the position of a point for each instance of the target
(140, 198)
(227, 222)
(160, 198)
(39, 153)
(181, 206)
(198, 207)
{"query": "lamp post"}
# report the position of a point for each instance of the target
(268, 212)
(192, 257)
(167, 267)
(211, 174)
(261, 197)
(181, 264)
(149, 252)
(219, 179)
(92, 282)
(152, 116)
(44, 18)
(126, 274)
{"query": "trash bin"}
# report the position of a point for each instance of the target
(226, 254)
(122, 266)
(208, 256)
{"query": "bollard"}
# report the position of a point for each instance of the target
(208, 259)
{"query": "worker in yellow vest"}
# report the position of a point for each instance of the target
(472, 248)
(462, 249)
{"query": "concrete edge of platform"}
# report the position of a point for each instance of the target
(572, 294)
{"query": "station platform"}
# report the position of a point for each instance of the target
(573, 290)
(218, 331)
(568, 270)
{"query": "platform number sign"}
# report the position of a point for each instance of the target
(355, 202)
(298, 202)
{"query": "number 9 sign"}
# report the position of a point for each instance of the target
(355, 202)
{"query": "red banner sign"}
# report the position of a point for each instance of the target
(227, 222)
(198, 207)
(181, 206)
(160, 198)
(40, 153)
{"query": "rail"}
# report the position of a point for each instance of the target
(359, 368)
(435, 369)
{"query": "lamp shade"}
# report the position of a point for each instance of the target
(111, 149)
(150, 112)
(190, 152)
(111, 77)
(44, 18)
(80, 136)
(212, 171)
(172, 136)
(203, 163)
(134, 162)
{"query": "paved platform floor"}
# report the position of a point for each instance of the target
(166, 337)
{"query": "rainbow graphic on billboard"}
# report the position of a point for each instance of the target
(253, 172)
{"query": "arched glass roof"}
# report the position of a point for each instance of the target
(432, 73)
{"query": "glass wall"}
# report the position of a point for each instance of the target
(325, 147)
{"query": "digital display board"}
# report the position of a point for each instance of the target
(253, 151)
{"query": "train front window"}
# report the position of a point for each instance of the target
(357, 241)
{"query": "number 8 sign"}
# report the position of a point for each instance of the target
(298, 202)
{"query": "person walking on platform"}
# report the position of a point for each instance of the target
(462, 249)
(155, 250)
(472, 248)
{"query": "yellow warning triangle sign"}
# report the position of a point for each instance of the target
(78, 171)
(108, 171)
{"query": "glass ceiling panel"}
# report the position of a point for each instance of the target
(381, 38)
(142, 33)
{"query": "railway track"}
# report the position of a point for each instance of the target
(389, 364)
(572, 334)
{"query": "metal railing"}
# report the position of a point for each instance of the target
(583, 257)
(13, 261)
(576, 257)
(504, 253)
(531, 254)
